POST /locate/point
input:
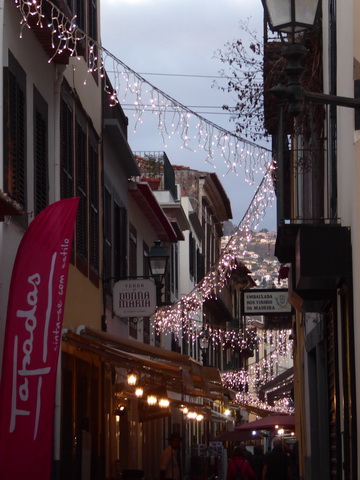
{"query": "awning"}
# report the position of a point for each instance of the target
(279, 387)
(177, 229)
(270, 422)
(145, 199)
(116, 135)
(237, 436)
(181, 373)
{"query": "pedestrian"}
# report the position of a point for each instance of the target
(277, 463)
(170, 465)
(248, 455)
(258, 460)
(239, 468)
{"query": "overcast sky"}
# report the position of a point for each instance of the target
(177, 40)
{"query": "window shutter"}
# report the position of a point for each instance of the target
(41, 190)
(15, 138)
(81, 183)
(67, 157)
(94, 209)
(107, 241)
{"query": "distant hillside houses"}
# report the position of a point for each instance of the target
(259, 258)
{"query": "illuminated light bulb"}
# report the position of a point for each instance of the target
(199, 417)
(164, 402)
(191, 415)
(132, 378)
(151, 399)
(139, 391)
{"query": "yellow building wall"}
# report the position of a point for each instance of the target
(83, 301)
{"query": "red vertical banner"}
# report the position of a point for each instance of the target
(32, 343)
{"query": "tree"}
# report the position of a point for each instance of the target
(244, 76)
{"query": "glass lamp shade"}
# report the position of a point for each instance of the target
(139, 391)
(291, 16)
(164, 402)
(132, 378)
(151, 399)
(158, 259)
(204, 340)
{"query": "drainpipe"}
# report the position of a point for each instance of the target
(59, 75)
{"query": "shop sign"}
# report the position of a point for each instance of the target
(134, 298)
(265, 302)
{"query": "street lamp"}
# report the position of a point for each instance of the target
(292, 17)
(204, 340)
(158, 259)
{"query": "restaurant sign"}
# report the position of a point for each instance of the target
(265, 302)
(134, 298)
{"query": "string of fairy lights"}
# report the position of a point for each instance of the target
(247, 381)
(174, 119)
(196, 133)
(179, 316)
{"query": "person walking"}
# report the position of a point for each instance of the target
(239, 468)
(170, 467)
(258, 460)
(277, 463)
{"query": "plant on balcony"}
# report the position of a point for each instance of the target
(151, 168)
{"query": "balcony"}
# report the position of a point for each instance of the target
(156, 169)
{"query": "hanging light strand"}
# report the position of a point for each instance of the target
(174, 120)
(179, 316)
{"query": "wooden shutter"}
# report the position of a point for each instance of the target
(15, 135)
(81, 190)
(107, 241)
(94, 209)
(41, 187)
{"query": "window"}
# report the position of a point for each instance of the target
(94, 206)
(192, 253)
(81, 190)
(15, 132)
(107, 241)
(41, 184)
(80, 177)
(86, 15)
(115, 238)
(120, 241)
(132, 251)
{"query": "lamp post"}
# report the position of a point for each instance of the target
(204, 344)
(291, 17)
(158, 259)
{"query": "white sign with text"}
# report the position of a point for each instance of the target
(134, 298)
(264, 302)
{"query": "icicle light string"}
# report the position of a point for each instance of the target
(174, 118)
(251, 399)
(179, 316)
(246, 382)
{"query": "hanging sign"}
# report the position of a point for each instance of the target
(265, 302)
(134, 298)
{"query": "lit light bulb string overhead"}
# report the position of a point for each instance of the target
(234, 150)
(179, 316)
(174, 118)
(246, 382)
